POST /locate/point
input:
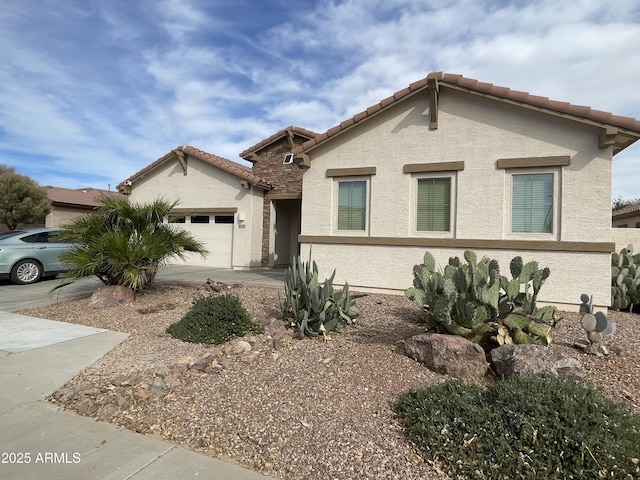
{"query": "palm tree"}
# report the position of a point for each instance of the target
(125, 243)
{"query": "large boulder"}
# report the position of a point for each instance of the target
(448, 354)
(112, 296)
(518, 359)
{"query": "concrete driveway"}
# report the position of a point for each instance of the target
(15, 297)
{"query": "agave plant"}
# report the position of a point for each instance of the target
(314, 308)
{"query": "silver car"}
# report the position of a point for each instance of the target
(28, 255)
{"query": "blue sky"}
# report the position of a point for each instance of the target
(91, 91)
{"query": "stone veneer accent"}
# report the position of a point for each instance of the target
(287, 179)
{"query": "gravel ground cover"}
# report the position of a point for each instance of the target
(291, 409)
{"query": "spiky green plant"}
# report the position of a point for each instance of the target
(625, 279)
(314, 308)
(473, 300)
(124, 243)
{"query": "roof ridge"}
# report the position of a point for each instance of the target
(484, 88)
(224, 164)
(272, 138)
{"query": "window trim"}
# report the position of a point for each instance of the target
(337, 180)
(556, 172)
(453, 189)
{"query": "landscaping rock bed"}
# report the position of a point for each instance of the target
(291, 409)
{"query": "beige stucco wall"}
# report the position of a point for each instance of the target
(627, 222)
(478, 131)
(205, 186)
(627, 236)
(61, 215)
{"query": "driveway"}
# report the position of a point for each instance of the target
(15, 297)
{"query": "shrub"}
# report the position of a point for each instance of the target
(525, 427)
(473, 300)
(214, 320)
(313, 308)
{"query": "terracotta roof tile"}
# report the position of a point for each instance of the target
(303, 132)
(578, 112)
(82, 197)
(234, 168)
(626, 210)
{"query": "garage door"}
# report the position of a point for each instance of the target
(215, 231)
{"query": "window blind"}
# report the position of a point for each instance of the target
(532, 203)
(434, 204)
(352, 197)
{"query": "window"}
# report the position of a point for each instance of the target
(176, 219)
(224, 219)
(352, 200)
(532, 203)
(434, 204)
(200, 219)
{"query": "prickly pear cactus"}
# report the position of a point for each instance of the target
(598, 328)
(473, 300)
(625, 279)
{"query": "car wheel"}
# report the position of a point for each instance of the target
(26, 271)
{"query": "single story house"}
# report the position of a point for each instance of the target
(68, 204)
(626, 217)
(449, 164)
(247, 217)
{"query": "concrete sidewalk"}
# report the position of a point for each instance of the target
(39, 440)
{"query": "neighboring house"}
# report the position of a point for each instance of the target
(69, 204)
(272, 160)
(626, 217)
(450, 164)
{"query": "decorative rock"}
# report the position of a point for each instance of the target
(158, 385)
(201, 363)
(448, 354)
(107, 411)
(87, 407)
(112, 296)
(241, 347)
(518, 359)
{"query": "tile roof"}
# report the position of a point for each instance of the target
(223, 164)
(82, 197)
(303, 132)
(577, 112)
(629, 210)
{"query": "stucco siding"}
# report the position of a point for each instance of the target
(206, 187)
(391, 268)
(477, 131)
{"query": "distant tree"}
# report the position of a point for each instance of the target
(123, 243)
(22, 200)
(619, 203)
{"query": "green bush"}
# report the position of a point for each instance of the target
(313, 308)
(525, 427)
(214, 320)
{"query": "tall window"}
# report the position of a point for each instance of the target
(532, 203)
(434, 204)
(352, 199)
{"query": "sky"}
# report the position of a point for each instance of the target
(91, 91)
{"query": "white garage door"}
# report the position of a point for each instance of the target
(215, 231)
